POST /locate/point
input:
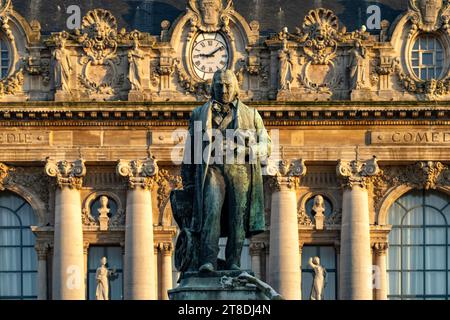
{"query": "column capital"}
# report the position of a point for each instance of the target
(380, 248)
(67, 173)
(166, 248)
(42, 249)
(286, 174)
(138, 172)
(357, 173)
(256, 248)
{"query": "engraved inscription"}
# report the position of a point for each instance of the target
(18, 138)
(410, 137)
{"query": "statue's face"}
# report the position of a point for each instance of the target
(430, 10)
(104, 201)
(103, 261)
(319, 200)
(225, 90)
(316, 260)
(210, 11)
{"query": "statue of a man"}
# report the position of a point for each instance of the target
(225, 181)
(319, 279)
(63, 67)
(135, 74)
(102, 276)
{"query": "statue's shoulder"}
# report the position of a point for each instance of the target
(196, 113)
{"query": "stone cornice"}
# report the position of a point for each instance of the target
(178, 113)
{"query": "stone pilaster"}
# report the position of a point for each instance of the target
(380, 281)
(42, 250)
(139, 271)
(68, 260)
(156, 268)
(300, 253)
(355, 260)
(284, 270)
(256, 250)
(166, 249)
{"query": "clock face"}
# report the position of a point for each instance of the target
(209, 54)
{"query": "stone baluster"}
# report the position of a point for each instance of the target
(68, 260)
(166, 249)
(139, 265)
(381, 290)
(284, 270)
(42, 250)
(355, 259)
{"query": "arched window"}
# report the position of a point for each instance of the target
(419, 252)
(18, 260)
(427, 57)
(4, 61)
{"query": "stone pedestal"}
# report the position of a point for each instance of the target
(139, 266)
(356, 260)
(68, 258)
(284, 253)
(210, 286)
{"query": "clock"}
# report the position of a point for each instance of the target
(209, 53)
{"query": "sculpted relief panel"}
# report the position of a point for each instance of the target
(320, 60)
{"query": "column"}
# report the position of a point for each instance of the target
(356, 261)
(300, 252)
(380, 281)
(166, 249)
(284, 270)
(139, 268)
(68, 259)
(256, 250)
(42, 250)
(156, 268)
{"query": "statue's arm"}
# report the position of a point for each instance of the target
(311, 264)
(188, 166)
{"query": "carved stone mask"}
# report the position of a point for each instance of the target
(430, 10)
(210, 10)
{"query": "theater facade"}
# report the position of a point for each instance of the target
(93, 125)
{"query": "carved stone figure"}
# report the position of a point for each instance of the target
(103, 213)
(63, 67)
(220, 199)
(357, 66)
(136, 71)
(427, 11)
(286, 64)
(319, 281)
(319, 209)
(102, 277)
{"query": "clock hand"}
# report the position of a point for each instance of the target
(215, 51)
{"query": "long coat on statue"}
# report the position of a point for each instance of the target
(194, 175)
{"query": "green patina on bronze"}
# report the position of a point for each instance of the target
(204, 184)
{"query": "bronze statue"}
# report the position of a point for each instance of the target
(222, 196)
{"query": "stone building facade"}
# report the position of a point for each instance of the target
(359, 119)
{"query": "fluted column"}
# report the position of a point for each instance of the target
(68, 260)
(42, 250)
(139, 271)
(256, 250)
(166, 249)
(380, 281)
(356, 260)
(284, 270)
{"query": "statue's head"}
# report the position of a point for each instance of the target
(225, 86)
(103, 261)
(104, 201)
(318, 201)
(316, 260)
(210, 10)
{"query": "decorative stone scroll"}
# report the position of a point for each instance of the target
(357, 173)
(140, 173)
(67, 174)
(429, 15)
(210, 16)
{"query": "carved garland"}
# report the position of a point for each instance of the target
(422, 175)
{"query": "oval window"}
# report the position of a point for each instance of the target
(427, 57)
